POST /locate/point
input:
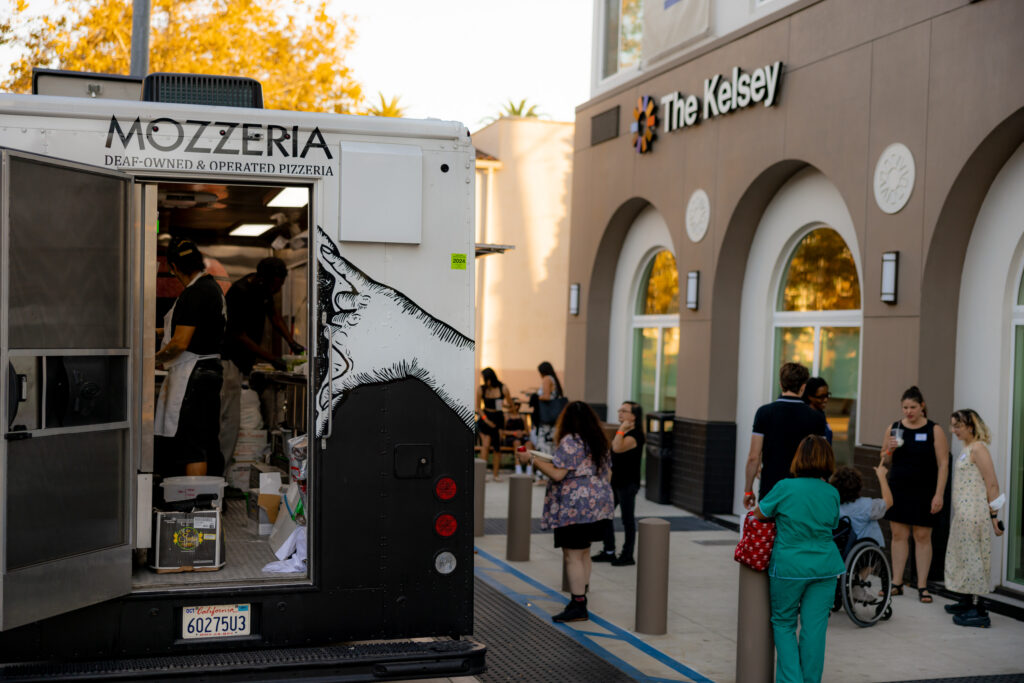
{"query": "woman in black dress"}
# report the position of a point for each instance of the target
(917, 477)
(493, 396)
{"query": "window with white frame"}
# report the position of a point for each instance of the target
(656, 334)
(621, 35)
(817, 323)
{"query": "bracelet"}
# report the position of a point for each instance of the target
(993, 515)
(748, 493)
(620, 432)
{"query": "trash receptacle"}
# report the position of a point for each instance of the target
(659, 457)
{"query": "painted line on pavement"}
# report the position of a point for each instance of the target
(583, 637)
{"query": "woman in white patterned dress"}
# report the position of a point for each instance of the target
(976, 501)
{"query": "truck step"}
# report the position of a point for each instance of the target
(377, 661)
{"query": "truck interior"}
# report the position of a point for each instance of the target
(235, 225)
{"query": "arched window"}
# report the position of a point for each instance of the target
(817, 323)
(656, 334)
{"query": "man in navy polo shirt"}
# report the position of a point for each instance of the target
(779, 427)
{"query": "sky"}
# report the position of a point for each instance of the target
(463, 59)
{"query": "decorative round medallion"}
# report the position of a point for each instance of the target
(698, 215)
(645, 123)
(894, 178)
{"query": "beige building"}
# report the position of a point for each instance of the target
(838, 183)
(524, 175)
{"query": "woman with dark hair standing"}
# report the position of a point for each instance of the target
(919, 453)
(627, 452)
(494, 397)
(550, 390)
(804, 562)
(816, 395)
(187, 416)
(578, 500)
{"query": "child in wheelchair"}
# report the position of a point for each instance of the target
(860, 540)
(863, 512)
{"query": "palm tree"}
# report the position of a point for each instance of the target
(515, 109)
(386, 107)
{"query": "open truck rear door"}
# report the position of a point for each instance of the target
(65, 460)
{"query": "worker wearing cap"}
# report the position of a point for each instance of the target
(250, 303)
(188, 407)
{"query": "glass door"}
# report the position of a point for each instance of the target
(1015, 510)
(65, 341)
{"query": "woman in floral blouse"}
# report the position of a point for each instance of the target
(578, 502)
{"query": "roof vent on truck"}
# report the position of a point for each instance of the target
(216, 91)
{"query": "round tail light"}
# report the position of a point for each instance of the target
(445, 488)
(445, 524)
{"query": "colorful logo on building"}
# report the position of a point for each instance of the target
(645, 124)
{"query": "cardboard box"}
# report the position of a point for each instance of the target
(187, 541)
(266, 478)
(262, 511)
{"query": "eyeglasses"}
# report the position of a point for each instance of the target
(821, 397)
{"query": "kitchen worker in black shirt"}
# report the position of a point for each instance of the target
(186, 421)
(779, 427)
(250, 303)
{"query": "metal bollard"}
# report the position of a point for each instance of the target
(652, 577)
(520, 499)
(755, 642)
(479, 488)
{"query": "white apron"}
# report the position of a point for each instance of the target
(172, 392)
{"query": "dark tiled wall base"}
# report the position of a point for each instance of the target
(703, 466)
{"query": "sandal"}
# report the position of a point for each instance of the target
(896, 589)
(923, 595)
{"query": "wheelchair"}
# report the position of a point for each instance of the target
(864, 589)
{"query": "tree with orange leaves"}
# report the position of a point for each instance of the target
(296, 49)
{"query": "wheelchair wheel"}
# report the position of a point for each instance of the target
(866, 584)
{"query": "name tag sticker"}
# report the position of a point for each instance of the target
(920, 437)
(963, 456)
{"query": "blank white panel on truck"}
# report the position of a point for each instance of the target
(381, 193)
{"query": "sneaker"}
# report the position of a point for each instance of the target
(576, 610)
(604, 556)
(623, 561)
(972, 618)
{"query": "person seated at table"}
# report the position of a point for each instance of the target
(514, 434)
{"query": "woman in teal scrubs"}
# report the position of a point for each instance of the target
(805, 562)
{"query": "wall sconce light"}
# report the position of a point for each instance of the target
(692, 289)
(890, 276)
(574, 298)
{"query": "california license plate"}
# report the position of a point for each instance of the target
(215, 621)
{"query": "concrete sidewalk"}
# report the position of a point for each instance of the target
(919, 642)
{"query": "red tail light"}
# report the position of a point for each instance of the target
(445, 524)
(445, 488)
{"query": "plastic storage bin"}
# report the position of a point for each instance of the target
(186, 488)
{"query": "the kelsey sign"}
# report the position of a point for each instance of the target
(721, 96)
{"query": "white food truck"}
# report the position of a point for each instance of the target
(374, 219)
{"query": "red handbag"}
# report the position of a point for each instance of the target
(756, 540)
